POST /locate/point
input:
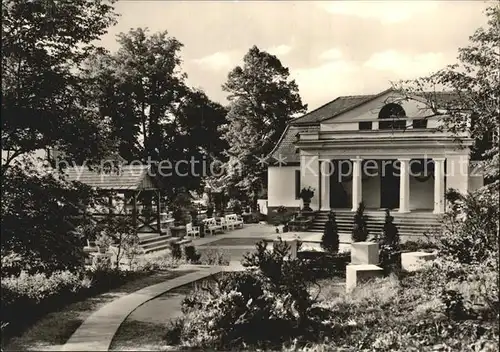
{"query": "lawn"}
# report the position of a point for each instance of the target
(54, 329)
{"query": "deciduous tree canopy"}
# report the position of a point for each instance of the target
(474, 83)
(263, 99)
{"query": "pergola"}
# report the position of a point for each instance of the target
(131, 182)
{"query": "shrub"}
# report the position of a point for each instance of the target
(215, 257)
(418, 245)
(38, 212)
(155, 262)
(235, 206)
(191, 255)
(360, 230)
(470, 227)
(210, 210)
(330, 240)
(243, 310)
(175, 248)
(28, 296)
(390, 251)
(263, 306)
(390, 237)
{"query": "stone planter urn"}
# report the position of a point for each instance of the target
(178, 231)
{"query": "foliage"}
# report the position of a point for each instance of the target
(330, 240)
(360, 230)
(123, 235)
(418, 245)
(263, 99)
(154, 115)
(191, 255)
(282, 216)
(474, 90)
(175, 248)
(210, 210)
(26, 297)
(235, 206)
(390, 247)
(306, 194)
(39, 214)
(325, 265)
(213, 256)
(260, 307)
(470, 227)
(44, 99)
(390, 237)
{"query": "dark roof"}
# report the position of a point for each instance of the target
(310, 121)
(335, 107)
(130, 177)
(348, 102)
(285, 147)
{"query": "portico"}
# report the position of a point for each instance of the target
(362, 171)
(362, 148)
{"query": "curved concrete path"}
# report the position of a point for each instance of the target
(97, 331)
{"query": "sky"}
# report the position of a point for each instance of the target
(332, 48)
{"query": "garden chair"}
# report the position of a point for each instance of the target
(234, 220)
(223, 223)
(192, 231)
(211, 226)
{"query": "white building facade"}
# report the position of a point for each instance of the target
(369, 148)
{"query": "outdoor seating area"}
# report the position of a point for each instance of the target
(214, 225)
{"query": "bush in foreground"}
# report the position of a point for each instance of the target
(263, 306)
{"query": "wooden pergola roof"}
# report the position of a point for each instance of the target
(128, 177)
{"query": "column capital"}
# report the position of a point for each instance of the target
(439, 159)
(357, 159)
(404, 159)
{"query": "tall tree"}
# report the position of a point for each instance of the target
(155, 115)
(263, 99)
(139, 87)
(474, 83)
(43, 98)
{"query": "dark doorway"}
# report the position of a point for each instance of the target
(339, 197)
(389, 185)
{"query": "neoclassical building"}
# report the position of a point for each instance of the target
(370, 148)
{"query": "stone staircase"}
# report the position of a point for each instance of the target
(152, 242)
(409, 224)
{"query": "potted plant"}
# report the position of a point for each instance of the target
(103, 242)
(306, 195)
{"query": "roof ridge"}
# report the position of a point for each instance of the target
(310, 112)
(368, 98)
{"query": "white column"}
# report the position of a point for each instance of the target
(356, 183)
(404, 185)
(439, 190)
(325, 184)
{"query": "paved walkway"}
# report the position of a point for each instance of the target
(96, 333)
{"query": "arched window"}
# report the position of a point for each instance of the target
(394, 114)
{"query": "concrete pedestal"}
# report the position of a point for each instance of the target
(361, 273)
(413, 261)
(364, 253)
